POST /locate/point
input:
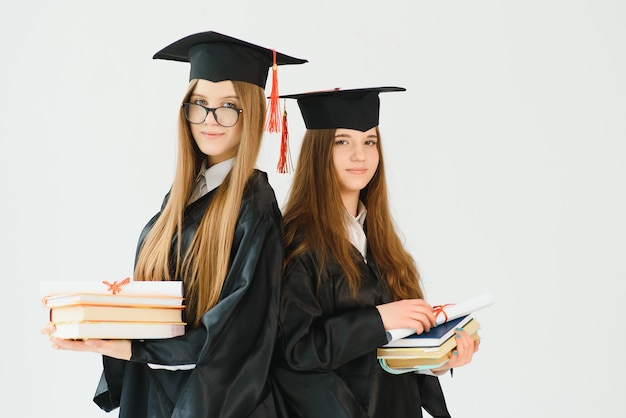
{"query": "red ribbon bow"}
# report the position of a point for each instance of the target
(116, 287)
(439, 309)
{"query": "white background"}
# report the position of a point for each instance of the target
(505, 159)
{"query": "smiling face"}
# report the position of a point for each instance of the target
(355, 160)
(217, 142)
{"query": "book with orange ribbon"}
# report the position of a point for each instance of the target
(434, 337)
(408, 351)
(118, 309)
(446, 312)
(126, 292)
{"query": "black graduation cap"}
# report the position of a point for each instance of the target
(350, 109)
(218, 57)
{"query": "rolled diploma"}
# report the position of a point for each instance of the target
(452, 311)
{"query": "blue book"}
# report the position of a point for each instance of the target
(434, 337)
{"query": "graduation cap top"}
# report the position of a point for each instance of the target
(217, 57)
(350, 109)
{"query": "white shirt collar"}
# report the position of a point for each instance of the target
(361, 213)
(356, 234)
(215, 175)
(210, 178)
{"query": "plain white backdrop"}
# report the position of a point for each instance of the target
(506, 164)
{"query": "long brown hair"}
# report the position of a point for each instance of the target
(314, 208)
(205, 265)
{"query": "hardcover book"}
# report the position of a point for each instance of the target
(445, 348)
(117, 310)
(78, 313)
(118, 330)
(398, 360)
(434, 337)
(125, 292)
(418, 361)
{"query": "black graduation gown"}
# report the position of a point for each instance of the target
(232, 347)
(326, 363)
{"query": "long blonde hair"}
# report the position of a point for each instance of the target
(314, 208)
(203, 268)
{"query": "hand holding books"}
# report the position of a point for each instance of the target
(408, 350)
(446, 312)
(115, 348)
(411, 315)
(118, 310)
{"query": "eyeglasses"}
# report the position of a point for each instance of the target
(224, 116)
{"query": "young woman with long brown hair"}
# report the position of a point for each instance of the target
(348, 279)
(219, 231)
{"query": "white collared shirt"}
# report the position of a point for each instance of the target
(356, 234)
(210, 178)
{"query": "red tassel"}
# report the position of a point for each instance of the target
(284, 160)
(272, 119)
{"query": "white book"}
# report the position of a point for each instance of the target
(447, 312)
(118, 330)
(115, 293)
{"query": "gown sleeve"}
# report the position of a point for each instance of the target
(235, 339)
(313, 341)
(109, 391)
(238, 315)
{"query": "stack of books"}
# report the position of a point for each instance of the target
(407, 351)
(118, 310)
(428, 350)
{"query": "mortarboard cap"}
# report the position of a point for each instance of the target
(350, 109)
(216, 57)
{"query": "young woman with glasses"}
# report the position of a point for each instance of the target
(219, 231)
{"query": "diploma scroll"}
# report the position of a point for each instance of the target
(446, 313)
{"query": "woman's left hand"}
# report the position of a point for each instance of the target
(462, 354)
(120, 349)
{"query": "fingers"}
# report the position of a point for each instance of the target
(407, 313)
(418, 326)
(420, 323)
(120, 349)
(421, 313)
(47, 329)
(425, 309)
(62, 343)
(464, 351)
(67, 344)
(94, 345)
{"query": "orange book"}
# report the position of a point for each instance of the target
(79, 313)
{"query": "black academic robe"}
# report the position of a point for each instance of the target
(231, 348)
(326, 363)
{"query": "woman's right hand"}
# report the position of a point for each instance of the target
(407, 313)
(120, 349)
